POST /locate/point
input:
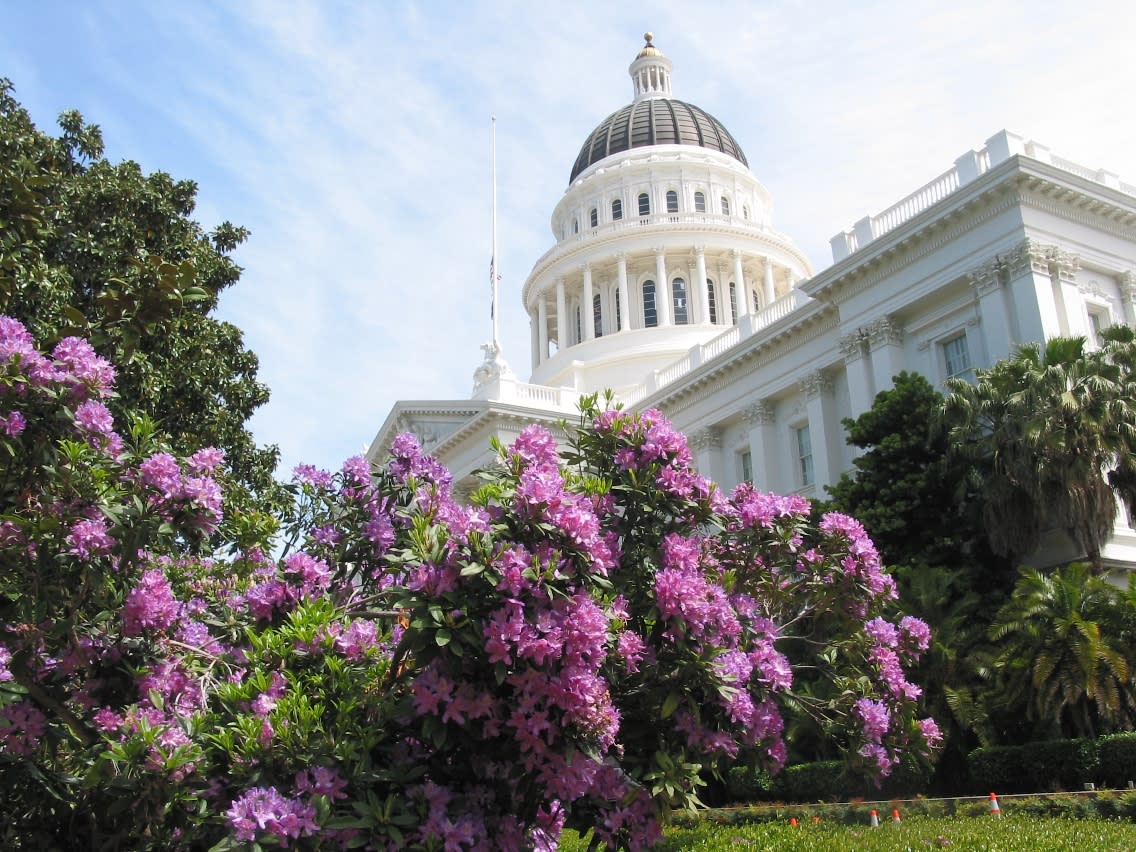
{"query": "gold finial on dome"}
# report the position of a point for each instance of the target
(649, 48)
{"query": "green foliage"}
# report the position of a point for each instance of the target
(1117, 755)
(102, 250)
(1046, 765)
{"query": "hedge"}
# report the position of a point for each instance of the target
(1044, 766)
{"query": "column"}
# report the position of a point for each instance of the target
(857, 367)
(542, 327)
(762, 422)
(700, 277)
(1127, 283)
(624, 300)
(561, 317)
(706, 443)
(534, 343)
(767, 283)
(993, 312)
(740, 286)
(586, 308)
(820, 407)
(662, 291)
(1031, 289)
(885, 338)
(1063, 271)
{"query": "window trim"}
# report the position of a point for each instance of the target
(699, 202)
(680, 300)
(651, 314)
(616, 209)
(644, 204)
(672, 201)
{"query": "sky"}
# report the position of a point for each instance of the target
(353, 140)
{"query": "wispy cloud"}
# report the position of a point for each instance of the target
(353, 139)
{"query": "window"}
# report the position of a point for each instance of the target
(804, 455)
(650, 314)
(725, 206)
(644, 204)
(699, 202)
(616, 210)
(712, 300)
(1099, 320)
(579, 327)
(597, 315)
(956, 356)
(745, 211)
(733, 303)
(575, 226)
(618, 318)
(672, 201)
(756, 300)
(745, 462)
(594, 216)
(678, 289)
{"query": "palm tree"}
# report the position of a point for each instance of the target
(1062, 653)
(1051, 432)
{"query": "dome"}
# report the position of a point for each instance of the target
(655, 121)
(654, 117)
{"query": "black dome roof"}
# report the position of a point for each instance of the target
(655, 121)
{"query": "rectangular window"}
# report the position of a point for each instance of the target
(644, 205)
(725, 206)
(956, 356)
(712, 300)
(745, 462)
(804, 455)
(1099, 320)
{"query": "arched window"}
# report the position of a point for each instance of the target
(733, 303)
(725, 206)
(678, 290)
(579, 327)
(650, 314)
(595, 216)
(672, 201)
(616, 210)
(699, 202)
(745, 211)
(597, 315)
(618, 317)
(644, 204)
(756, 299)
(575, 226)
(712, 300)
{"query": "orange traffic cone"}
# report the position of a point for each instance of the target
(793, 821)
(875, 820)
(995, 810)
(895, 816)
(816, 820)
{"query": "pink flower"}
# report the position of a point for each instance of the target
(151, 605)
(205, 460)
(13, 424)
(89, 538)
(263, 811)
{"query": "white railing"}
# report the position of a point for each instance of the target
(543, 395)
(727, 340)
(998, 148)
(914, 204)
(675, 371)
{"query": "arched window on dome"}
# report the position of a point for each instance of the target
(575, 226)
(672, 201)
(733, 303)
(725, 206)
(594, 217)
(597, 315)
(712, 301)
(618, 316)
(699, 202)
(644, 204)
(678, 289)
(755, 297)
(616, 210)
(650, 312)
(579, 327)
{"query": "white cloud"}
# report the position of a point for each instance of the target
(353, 139)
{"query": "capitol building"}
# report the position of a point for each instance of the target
(668, 283)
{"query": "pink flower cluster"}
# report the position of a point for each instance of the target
(262, 813)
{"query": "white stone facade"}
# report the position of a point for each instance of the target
(1010, 245)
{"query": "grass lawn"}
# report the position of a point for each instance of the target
(995, 834)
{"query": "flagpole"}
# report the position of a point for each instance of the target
(493, 266)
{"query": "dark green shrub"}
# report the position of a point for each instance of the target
(811, 782)
(748, 784)
(998, 768)
(1059, 764)
(1117, 753)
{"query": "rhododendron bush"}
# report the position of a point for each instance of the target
(582, 644)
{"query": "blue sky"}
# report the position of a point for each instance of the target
(352, 138)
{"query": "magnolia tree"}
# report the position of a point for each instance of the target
(580, 645)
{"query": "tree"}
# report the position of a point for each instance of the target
(105, 251)
(1051, 435)
(1060, 656)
